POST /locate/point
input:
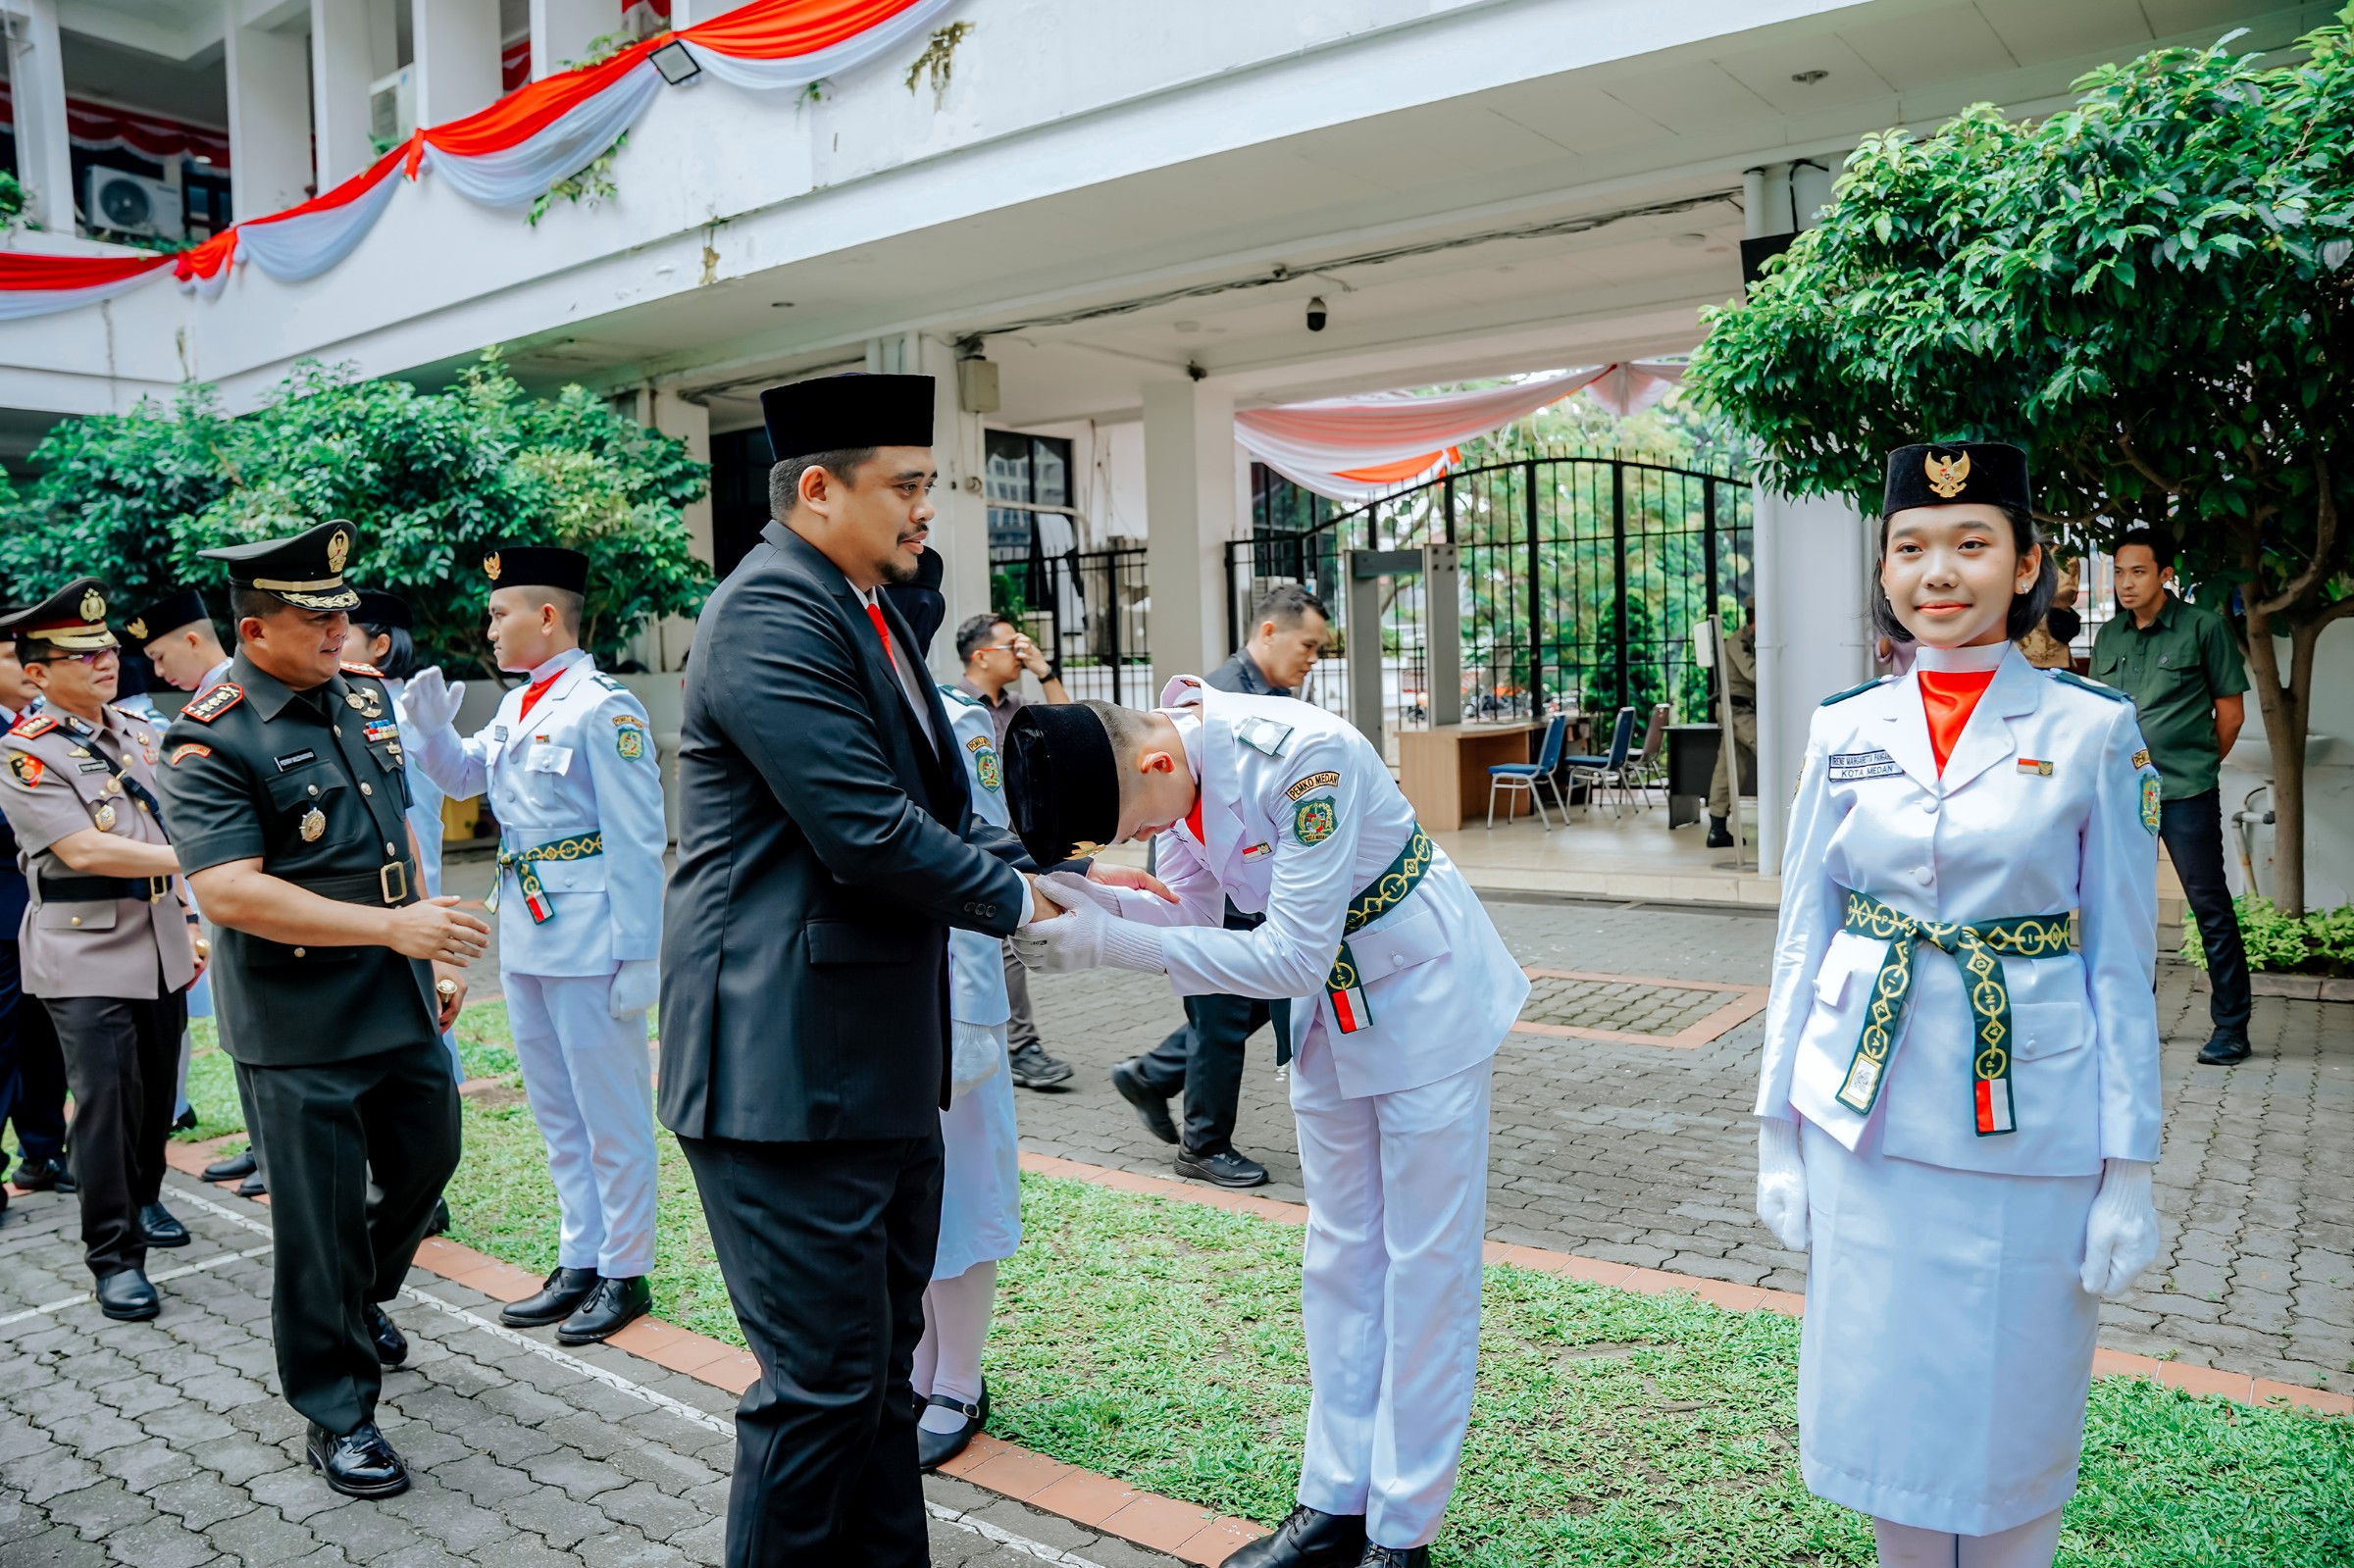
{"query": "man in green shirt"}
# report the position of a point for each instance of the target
(2180, 666)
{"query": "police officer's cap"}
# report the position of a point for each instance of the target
(385, 610)
(167, 615)
(536, 565)
(305, 571)
(1063, 781)
(1958, 473)
(842, 413)
(73, 619)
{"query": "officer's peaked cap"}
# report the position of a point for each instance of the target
(306, 571)
(1958, 473)
(842, 413)
(73, 619)
(1062, 781)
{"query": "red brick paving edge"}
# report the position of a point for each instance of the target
(1186, 1529)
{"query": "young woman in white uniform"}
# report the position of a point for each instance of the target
(1958, 1105)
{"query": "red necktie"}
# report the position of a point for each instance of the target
(874, 613)
(1948, 697)
(535, 692)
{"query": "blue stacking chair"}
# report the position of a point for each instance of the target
(1597, 772)
(1526, 776)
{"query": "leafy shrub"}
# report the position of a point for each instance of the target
(2319, 944)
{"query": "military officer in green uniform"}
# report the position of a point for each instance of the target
(284, 787)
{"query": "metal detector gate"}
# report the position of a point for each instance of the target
(1439, 567)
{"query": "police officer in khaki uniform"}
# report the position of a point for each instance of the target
(106, 942)
(284, 787)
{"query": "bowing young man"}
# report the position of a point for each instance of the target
(1400, 993)
(568, 762)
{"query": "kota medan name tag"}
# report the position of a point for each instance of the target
(1847, 766)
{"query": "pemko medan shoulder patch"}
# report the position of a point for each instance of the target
(212, 704)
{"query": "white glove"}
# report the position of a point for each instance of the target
(1782, 1181)
(636, 986)
(2120, 1235)
(1071, 890)
(429, 702)
(1083, 937)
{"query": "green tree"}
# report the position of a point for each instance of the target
(2149, 290)
(433, 480)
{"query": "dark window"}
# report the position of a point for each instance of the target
(1023, 468)
(739, 465)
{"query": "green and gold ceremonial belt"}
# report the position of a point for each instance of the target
(1382, 894)
(580, 847)
(1979, 949)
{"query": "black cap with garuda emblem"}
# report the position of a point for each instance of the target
(167, 615)
(1063, 781)
(1958, 473)
(305, 571)
(73, 619)
(536, 565)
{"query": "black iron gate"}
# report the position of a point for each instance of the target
(1581, 580)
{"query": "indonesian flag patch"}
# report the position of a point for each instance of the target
(1349, 1009)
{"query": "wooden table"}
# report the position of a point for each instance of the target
(1444, 771)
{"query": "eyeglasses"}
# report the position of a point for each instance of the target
(87, 660)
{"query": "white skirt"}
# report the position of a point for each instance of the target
(1947, 1342)
(981, 1174)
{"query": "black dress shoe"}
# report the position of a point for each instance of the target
(611, 1307)
(936, 1448)
(45, 1176)
(160, 1227)
(439, 1223)
(1395, 1558)
(185, 1121)
(253, 1186)
(2225, 1047)
(1225, 1167)
(1306, 1540)
(234, 1169)
(125, 1296)
(1033, 1067)
(562, 1290)
(358, 1464)
(391, 1346)
(1151, 1107)
(1720, 836)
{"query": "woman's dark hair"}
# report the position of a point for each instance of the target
(400, 657)
(2027, 609)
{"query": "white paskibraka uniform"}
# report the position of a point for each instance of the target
(576, 782)
(1300, 816)
(1948, 1341)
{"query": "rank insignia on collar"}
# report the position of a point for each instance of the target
(212, 704)
(39, 724)
(354, 667)
(27, 768)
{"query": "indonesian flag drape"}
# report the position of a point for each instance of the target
(505, 156)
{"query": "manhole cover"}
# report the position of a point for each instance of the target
(1635, 1009)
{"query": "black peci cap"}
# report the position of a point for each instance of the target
(381, 610)
(306, 571)
(1957, 474)
(73, 619)
(1062, 781)
(842, 413)
(167, 615)
(536, 565)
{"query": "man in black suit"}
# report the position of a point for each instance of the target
(33, 1066)
(826, 845)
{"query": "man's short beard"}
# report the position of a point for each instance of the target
(900, 566)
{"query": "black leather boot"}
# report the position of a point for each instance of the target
(1307, 1538)
(358, 1464)
(564, 1291)
(610, 1308)
(1720, 836)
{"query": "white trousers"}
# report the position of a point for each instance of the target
(591, 1090)
(1397, 1209)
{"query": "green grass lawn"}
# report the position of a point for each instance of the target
(1160, 1342)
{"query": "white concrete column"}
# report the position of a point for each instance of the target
(561, 31)
(341, 68)
(37, 76)
(455, 44)
(1190, 507)
(1814, 638)
(960, 531)
(268, 116)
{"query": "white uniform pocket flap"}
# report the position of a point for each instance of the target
(544, 758)
(583, 876)
(2048, 1029)
(1415, 938)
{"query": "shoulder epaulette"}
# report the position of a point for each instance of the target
(37, 723)
(951, 694)
(1857, 690)
(354, 667)
(607, 682)
(1263, 735)
(212, 702)
(2094, 687)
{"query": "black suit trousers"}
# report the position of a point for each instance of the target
(329, 1125)
(32, 1070)
(2193, 832)
(827, 1248)
(123, 1061)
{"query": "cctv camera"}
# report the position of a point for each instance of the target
(1317, 314)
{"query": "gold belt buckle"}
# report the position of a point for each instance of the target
(393, 878)
(157, 886)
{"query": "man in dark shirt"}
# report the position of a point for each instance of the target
(1204, 1058)
(33, 1066)
(2182, 668)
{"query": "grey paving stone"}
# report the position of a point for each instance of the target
(99, 1510)
(161, 1544)
(261, 1539)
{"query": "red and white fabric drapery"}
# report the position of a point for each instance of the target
(506, 156)
(104, 127)
(1355, 449)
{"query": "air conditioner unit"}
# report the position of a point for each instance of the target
(392, 106)
(131, 204)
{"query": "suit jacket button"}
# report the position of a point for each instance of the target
(302, 952)
(364, 789)
(74, 919)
